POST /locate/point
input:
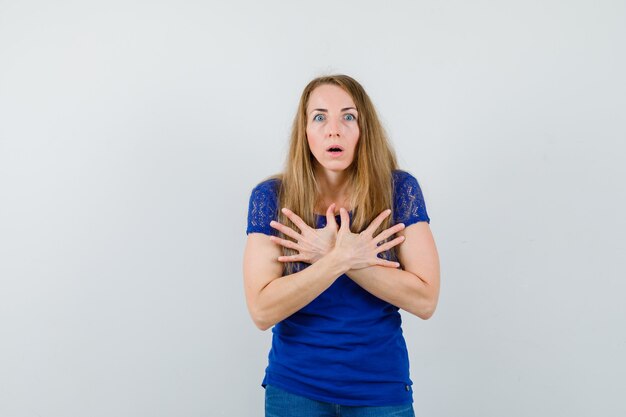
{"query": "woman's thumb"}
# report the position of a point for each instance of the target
(345, 219)
(330, 216)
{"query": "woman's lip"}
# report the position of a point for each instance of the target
(335, 154)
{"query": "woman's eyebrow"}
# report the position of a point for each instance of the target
(326, 111)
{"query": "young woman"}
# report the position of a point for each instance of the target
(337, 243)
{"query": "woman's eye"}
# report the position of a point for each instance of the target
(318, 117)
(349, 117)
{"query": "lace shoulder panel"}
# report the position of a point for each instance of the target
(409, 205)
(262, 208)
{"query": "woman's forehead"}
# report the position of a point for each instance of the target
(328, 96)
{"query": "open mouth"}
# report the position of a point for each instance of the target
(335, 149)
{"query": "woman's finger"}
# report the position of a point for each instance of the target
(390, 264)
(377, 222)
(390, 244)
(388, 232)
(291, 258)
(330, 216)
(286, 243)
(287, 231)
(345, 219)
(295, 219)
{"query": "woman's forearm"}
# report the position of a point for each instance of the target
(286, 295)
(401, 288)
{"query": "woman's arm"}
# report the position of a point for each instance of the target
(270, 296)
(414, 289)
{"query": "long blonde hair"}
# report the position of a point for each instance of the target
(371, 173)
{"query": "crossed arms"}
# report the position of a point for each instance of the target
(332, 252)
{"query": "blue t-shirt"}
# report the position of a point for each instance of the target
(346, 346)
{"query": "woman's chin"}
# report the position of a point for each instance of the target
(335, 167)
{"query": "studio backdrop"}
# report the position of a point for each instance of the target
(132, 133)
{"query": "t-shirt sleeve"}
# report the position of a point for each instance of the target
(409, 205)
(262, 208)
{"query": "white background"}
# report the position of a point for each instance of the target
(131, 135)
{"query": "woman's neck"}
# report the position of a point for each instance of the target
(334, 188)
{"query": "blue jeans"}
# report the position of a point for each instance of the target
(280, 403)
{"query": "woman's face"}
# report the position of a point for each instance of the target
(332, 129)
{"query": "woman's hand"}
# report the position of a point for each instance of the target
(361, 250)
(310, 243)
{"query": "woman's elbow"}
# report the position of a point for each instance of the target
(424, 310)
(262, 325)
(427, 313)
(258, 311)
(424, 301)
(261, 321)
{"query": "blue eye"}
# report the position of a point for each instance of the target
(318, 117)
(349, 117)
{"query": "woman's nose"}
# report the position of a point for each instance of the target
(333, 128)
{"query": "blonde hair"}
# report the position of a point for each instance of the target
(371, 173)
